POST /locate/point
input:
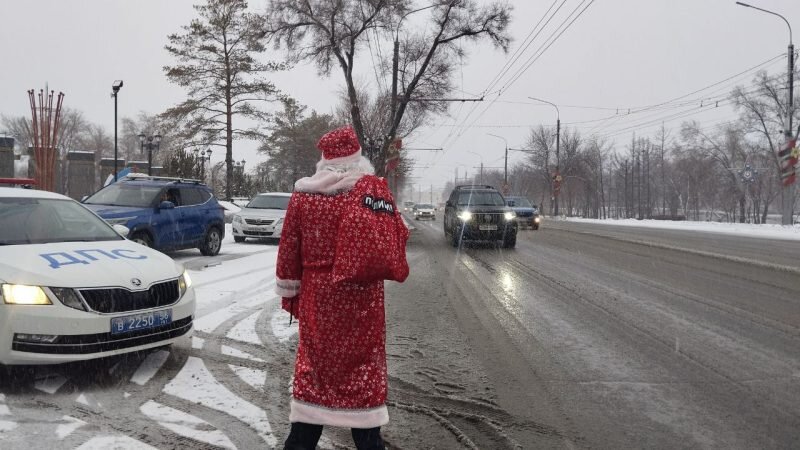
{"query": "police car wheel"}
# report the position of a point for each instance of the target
(142, 238)
(212, 242)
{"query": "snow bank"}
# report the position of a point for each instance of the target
(767, 231)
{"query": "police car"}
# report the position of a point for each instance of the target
(73, 288)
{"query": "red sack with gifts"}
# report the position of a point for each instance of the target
(371, 243)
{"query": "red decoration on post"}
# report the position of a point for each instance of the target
(45, 121)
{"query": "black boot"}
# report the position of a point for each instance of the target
(303, 436)
(368, 438)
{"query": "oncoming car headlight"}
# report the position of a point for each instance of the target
(184, 282)
(466, 216)
(20, 294)
(509, 215)
(537, 220)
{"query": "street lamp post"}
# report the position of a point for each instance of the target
(149, 142)
(203, 156)
(481, 157)
(239, 165)
(505, 166)
(115, 87)
(558, 151)
(788, 197)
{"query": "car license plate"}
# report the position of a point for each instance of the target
(487, 227)
(141, 321)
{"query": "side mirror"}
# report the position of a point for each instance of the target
(166, 205)
(121, 229)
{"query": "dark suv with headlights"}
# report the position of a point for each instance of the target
(479, 213)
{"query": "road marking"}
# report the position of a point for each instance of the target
(185, 424)
(149, 367)
(196, 384)
(245, 330)
(254, 377)
(236, 353)
(50, 383)
(280, 326)
(114, 443)
(65, 429)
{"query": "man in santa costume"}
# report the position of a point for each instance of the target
(340, 376)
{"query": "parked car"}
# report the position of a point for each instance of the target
(262, 217)
(240, 201)
(163, 213)
(479, 213)
(229, 210)
(424, 211)
(73, 288)
(527, 213)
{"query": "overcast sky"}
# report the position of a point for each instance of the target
(618, 54)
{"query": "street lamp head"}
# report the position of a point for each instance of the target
(208, 152)
(116, 86)
(142, 137)
(157, 139)
(196, 152)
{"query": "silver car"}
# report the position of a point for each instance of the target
(262, 218)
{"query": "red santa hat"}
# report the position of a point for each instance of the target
(340, 146)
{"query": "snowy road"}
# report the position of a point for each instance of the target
(583, 336)
(616, 337)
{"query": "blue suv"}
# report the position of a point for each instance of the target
(163, 213)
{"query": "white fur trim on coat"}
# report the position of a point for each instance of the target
(287, 288)
(337, 175)
(346, 418)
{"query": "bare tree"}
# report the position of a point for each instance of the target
(217, 65)
(763, 113)
(331, 32)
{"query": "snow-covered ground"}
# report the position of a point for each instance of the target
(741, 229)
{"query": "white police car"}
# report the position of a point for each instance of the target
(73, 288)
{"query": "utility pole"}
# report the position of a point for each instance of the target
(557, 175)
(787, 206)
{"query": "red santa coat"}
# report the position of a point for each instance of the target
(340, 371)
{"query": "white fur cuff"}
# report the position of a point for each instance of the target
(287, 288)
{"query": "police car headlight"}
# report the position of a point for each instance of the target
(237, 218)
(509, 215)
(184, 282)
(68, 297)
(20, 294)
(119, 220)
(466, 216)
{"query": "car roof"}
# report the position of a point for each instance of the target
(10, 192)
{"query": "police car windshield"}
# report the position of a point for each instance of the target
(131, 195)
(41, 221)
(480, 198)
(269, 202)
(517, 202)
